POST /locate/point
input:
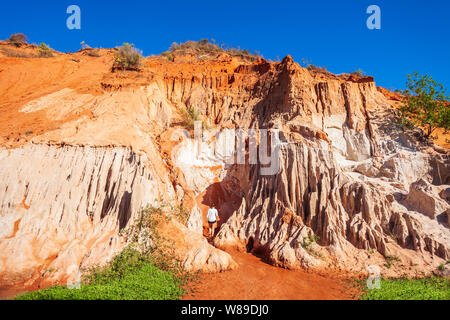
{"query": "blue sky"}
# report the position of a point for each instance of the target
(414, 35)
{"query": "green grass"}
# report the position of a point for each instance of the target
(147, 283)
(130, 276)
(434, 288)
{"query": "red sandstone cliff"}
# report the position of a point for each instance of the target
(83, 149)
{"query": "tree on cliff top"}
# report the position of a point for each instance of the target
(426, 104)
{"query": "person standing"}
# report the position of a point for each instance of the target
(212, 217)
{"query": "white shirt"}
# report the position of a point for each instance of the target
(212, 215)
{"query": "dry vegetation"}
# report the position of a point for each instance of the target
(128, 58)
(88, 50)
(204, 48)
(18, 39)
(14, 53)
(17, 46)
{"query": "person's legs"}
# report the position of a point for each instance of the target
(210, 228)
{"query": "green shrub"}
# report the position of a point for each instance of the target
(442, 266)
(358, 73)
(434, 288)
(390, 261)
(312, 238)
(182, 214)
(312, 67)
(305, 63)
(84, 45)
(129, 276)
(44, 51)
(128, 57)
(195, 47)
(168, 55)
(190, 115)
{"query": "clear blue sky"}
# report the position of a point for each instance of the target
(414, 35)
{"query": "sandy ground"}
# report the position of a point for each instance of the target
(254, 279)
(257, 280)
(10, 293)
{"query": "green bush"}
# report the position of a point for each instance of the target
(44, 51)
(168, 55)
(390, 261)
(305, 63)
(307, 241)
(128, 57)
(433, 288)
(190, 115)
(130, 276)
(312, 67)
(84, 45)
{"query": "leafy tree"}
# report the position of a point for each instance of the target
(426, 104)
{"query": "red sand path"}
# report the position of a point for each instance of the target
(256, 280)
